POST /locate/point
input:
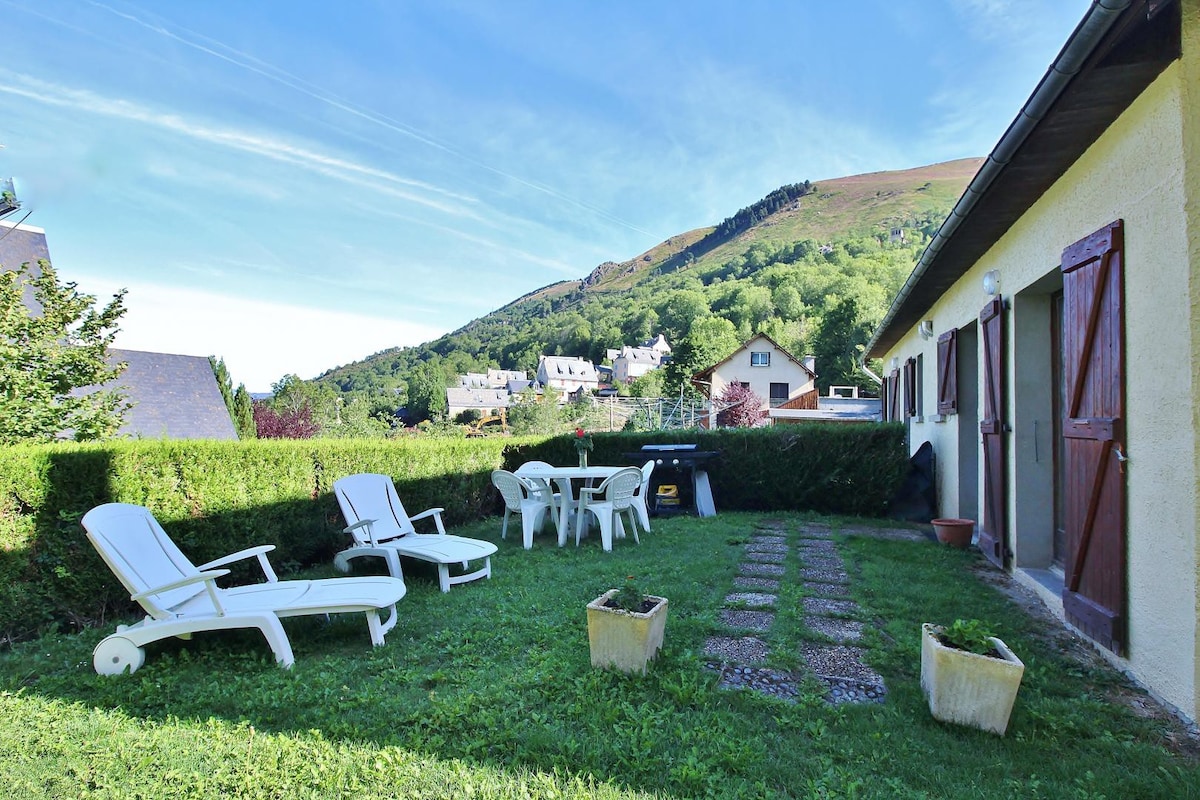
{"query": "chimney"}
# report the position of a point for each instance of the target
(810, 364)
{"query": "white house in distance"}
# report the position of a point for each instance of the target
(633, 362)
(566, 375)
(771, 372)
(1046, 344)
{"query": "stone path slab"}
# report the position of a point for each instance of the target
(766, 547)
(840, 630)
(753, 599)
(740, 650)
(775, 683)
(823, 605)
(766, 558)
(824, 575)
(839, 590)
(747, 582)
(759, 621)
(767, 570)
(822, 562)
(761, 539)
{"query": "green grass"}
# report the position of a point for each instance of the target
(488, 692)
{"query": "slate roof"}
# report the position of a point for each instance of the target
(478, 398)
(174, 397)
(20, 244)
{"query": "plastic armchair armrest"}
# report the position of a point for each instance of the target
(260, 551)
(208, 578)
(436, 513)
(363, 523)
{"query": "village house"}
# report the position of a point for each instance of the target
(1046, 344)
(566, 376)
(765, 368)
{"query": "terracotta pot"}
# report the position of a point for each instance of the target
(954, 532)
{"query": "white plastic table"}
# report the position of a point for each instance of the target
(562, 477)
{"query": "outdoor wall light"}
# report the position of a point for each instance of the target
(926, 329)
(991, 281)
(895, 362)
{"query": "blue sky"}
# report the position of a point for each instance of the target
(296, 185)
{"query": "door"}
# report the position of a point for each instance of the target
(1094, 596)
(992, 541)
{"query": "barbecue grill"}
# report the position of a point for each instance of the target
(683, 466)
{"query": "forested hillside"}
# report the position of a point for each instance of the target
(813, 265)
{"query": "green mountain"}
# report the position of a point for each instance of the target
(813, 265)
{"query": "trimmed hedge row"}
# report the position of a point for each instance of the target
(215, 498)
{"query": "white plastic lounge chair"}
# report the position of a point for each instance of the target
(615, 496)
(181, 598)
(639, 497)
(528, 498)
(380, 526)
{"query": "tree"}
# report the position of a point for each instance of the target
(243, 413)
(47, 355)
(838, 344)
(287, 424)
(237, 402)
(740, 407)
(709, 341)
(426, 393)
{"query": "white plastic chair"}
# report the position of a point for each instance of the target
(615, 497)
(380, 526)
(555, 496)
(528, 498)
(180, 598)
(640, 503)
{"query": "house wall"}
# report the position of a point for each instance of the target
(1145, 169)
(783, 369)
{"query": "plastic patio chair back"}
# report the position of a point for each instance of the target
(371, 496)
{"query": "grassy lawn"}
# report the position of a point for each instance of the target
(488, 692)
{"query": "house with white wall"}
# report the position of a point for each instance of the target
(768, 370)
(1047, 344)
(565, 375)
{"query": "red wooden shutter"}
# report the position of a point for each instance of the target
(1094, 597)
(894, 396)
(947, 372)
(992, 541)
(910, 388)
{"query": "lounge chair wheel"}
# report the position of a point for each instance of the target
(116, 654)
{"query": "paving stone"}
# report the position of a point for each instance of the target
(752, 568)
(823, 562)
(817, 546)
(815, 532)
(766, 558)
(771, 682)
(753, 599)
(767, 540)
(840, 630)
(846, 690)
(741, 649)
(754, 620)
(747, 582)
(815, 575)
(838, 661)
(827, 589)
(823, 605)
(766, 547)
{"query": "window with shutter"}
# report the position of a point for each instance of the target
(947, 372)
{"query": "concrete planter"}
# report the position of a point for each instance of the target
(623, 639)
(967, 688)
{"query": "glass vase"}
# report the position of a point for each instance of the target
(583, 459)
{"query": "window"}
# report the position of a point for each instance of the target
(760, 359)
(779, 394)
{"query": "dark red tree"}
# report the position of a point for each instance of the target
(740, 407)
(271, 424)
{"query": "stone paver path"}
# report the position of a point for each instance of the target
(832, 657)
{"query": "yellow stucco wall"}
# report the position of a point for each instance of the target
(782, 369)
(1145, 170)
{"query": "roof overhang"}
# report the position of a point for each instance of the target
(1115, 52)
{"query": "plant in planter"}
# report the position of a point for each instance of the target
(626, 627)
(969, 676)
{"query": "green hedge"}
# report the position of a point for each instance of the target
(219, 497)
